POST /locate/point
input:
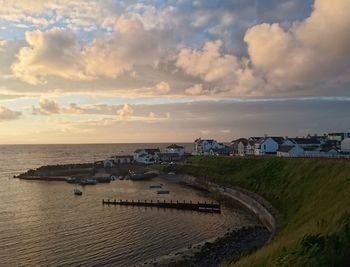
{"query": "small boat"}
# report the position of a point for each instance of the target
(87, 182)
(155, 186)
(77, 192)
(163, 192)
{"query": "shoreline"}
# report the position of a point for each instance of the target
(227, 247)
(230, 245)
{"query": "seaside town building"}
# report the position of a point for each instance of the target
(210, 147)
(175, 149)
(146, 156)
(345, 145)
(327, 145)
(268, 145)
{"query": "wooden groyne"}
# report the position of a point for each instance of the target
(195, 206)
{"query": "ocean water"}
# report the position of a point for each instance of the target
(43, 224)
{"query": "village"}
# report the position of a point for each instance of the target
(326, 145)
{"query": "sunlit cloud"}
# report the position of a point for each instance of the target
(8, 114)
(70, 66)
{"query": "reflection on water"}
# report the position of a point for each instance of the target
(44, 224)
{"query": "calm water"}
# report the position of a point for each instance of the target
(44, 224)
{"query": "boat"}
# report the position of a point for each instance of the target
(77, 192)
(71, 180)
(163, 192)
(155, 186)
(87, 181)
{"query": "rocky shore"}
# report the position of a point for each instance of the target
(224, 249)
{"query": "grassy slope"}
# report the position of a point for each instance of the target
(312, 195)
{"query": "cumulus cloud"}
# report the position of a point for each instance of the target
(313, 50)
(131, 44)
(209, 64)
(125, 112)
(8, 114)
(162, 88)
(196, 89)
(46, 107)
(54, 52)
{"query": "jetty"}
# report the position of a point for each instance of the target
(180, 205)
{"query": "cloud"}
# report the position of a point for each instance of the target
(196, 89)
(46, 107)
(129, 45)
(311, 51)
(162, 88)
(209, 64)
(8, 114)
(125, 112)
(54, 52)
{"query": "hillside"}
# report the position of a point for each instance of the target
(312, 196)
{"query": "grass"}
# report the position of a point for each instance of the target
(312, 196)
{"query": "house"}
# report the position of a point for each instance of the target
(268, 145)
(320, 152)
(338, 136)
(303, 142)
(345, 145)
(167, 157)
(250, 147)
(290, 151)
(108, 163)
(209, 147)
(146, 156)
(119, 159)
(243, 146)
(173, 148)
(220, 151)
(237, 146)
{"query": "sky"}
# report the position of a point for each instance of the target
(90, 71)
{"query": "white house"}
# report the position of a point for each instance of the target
(167, 157)
(302, 142)
(146, 156)
(268, 145)
(108, 163)
(290, 151)
(338, 136)
(323, 152)
(175, 149)
(209, 146)
(345, 145)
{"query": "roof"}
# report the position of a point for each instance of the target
(277, 139)
(152, 151)
(285, 148)
(174, 146)
(239, 140)
(255, 138)
(327, 149)
(305, 141)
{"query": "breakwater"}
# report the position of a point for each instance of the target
(180, 205)
(255, 203)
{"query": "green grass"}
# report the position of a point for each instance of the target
(311, 195)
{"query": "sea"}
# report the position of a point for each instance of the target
(42, 223)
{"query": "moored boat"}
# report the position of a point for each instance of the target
(87, 181)
(77, 192)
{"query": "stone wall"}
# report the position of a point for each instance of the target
(255, 203)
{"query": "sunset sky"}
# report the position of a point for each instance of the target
(89, 71)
